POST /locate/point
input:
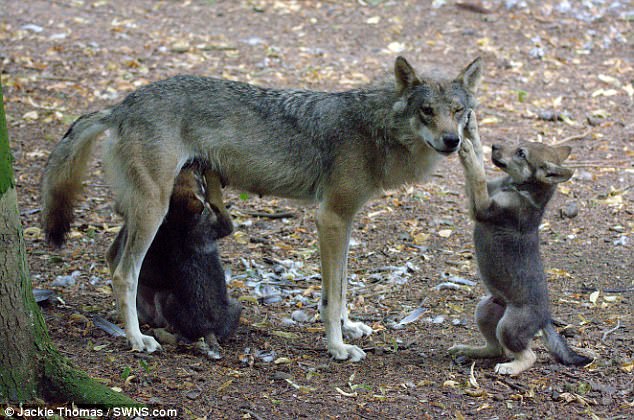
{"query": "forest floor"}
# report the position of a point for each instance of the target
(553, 73)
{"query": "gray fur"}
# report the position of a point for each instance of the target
(507, 213)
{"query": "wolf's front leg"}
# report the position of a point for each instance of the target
(334, 234)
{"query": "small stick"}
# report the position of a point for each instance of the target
(611, 330)
(280, 215)
(571, 138)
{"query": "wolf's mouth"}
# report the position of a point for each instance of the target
(445, 152)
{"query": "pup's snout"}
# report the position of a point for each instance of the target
(451, 140)
(495, 147)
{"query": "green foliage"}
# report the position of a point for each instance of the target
(6, 173)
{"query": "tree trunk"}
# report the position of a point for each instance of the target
(30, 366)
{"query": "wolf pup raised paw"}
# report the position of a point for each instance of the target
(339, 149)
(182, 282)
(507, 213)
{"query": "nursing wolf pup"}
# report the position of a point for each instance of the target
(182, 283)
(507, 213)
(338, 149)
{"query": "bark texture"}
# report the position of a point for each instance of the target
(30, 366)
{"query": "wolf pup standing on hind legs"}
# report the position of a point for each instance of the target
(338, 149)
(507, 213)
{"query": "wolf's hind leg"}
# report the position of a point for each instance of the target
(488, 313)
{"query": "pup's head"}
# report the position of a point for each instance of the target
(437, 109)
(532, 162)
(189, 208)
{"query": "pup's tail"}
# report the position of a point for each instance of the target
(65, 169)
(559, 348)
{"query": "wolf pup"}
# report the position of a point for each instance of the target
(507, 213)
(338, 149)
(182, 283)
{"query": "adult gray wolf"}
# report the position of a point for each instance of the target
(182, 283)
(507, 213)
(338, 149)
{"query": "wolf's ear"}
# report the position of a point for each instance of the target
(471, 76)
(563, 152)
(550, 173)
(405, 75)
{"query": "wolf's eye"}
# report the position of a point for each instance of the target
(521, 154)
(458, 109)
(427, 111)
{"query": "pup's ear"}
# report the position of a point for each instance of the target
(471, 76)
(405, 75)
(550, 173)
(563, 152)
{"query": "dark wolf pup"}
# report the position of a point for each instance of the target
(182, 282)
(507, 213)
(337, 149)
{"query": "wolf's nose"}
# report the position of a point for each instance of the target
(495, 147)
(451, 140)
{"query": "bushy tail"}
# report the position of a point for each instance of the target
(559, 348)
(65, 169)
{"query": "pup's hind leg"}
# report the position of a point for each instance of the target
(488, 313)
(515, 331)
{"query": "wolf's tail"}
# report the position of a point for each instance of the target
(65, 169)
(559, 348)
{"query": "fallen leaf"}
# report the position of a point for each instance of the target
(594, 296)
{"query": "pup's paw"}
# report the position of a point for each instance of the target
(466, 152)
(353, 330)
(458, 349)
(510, 368)
(475, 352)
(210, 350)
(144, 343)
(165, 337)
(346, 352)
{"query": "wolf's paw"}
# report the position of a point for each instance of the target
(353, 330)
(346, 352)
(144, 343)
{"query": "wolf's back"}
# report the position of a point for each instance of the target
(65, 169)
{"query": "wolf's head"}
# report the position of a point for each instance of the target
(535, 163)
(437, 109)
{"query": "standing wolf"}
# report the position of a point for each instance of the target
(507, 213)
(338, 149)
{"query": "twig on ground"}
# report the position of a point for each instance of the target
(280, 215)
(611, 330)
(571, 138)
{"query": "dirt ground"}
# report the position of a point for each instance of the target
(555, 71)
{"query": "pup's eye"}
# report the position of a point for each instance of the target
(458, 109)
(521, 154)
(427, 111)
